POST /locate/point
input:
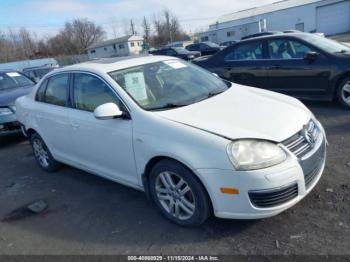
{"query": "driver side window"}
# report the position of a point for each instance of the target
(91, 92)
(287, 49)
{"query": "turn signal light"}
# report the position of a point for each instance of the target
(228, 190)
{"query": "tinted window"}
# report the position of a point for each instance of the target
(91, 92)
(286, 49)
(249, 51)
(56, 90)
(170, 52)
(192, 47)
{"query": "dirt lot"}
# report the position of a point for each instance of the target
(89, 215)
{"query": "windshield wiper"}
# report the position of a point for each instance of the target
(168, 106)
(210, 94)
(342, 51)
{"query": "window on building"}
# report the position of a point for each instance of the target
(204, 38)
(287, 49)
(105, 48)
(121, 46)
(249, 51)
(92, 51)
(231, 33)
(299, 26)
(132, 44)
(114, 47)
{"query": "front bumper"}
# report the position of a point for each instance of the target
(9, 124)
(303, 174)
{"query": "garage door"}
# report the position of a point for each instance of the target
(334, 18)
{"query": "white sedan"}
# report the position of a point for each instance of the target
(196, 144)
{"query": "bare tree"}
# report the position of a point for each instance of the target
(76, 37)
(167, 29)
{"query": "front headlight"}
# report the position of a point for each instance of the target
(4, 111)
(251, 154)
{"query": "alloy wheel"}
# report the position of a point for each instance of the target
(41, 152)
(175, 195)
(345, 93)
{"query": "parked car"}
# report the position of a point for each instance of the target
(227, 43)
(177, 52)
(13, 84)
(205, 48)
(36, 73)
(303, 65)
(195, 143)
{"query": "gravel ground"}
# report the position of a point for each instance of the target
(89, 215)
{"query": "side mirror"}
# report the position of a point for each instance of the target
(310, 56)
(107, 111)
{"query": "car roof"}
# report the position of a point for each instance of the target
(295, 34)
(106, 65)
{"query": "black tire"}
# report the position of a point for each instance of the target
(51, 165)
(197, 193)
(343, 94)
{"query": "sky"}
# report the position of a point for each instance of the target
(46, 17)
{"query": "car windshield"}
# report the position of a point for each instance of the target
(212, 44)
(326, 44)
(168, 84)
(13, 79)
(181, 50)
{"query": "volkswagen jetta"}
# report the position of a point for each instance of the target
(196, 144)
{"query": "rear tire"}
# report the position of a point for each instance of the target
(178, 194)
(343, 93)
(42, 154)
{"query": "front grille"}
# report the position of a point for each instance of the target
(312, 165)
(302, 143)
(273, 197)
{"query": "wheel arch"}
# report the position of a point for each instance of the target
(154, 160)
(339, 80)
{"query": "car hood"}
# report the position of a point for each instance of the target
(9, 96)
(244, 112)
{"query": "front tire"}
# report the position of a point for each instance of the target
(43, 155)
(178, 193)
(343, 93)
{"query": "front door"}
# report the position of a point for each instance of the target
(290, 73)
(101, 146)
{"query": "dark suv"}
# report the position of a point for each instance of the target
(303, 65)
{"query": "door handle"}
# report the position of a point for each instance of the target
(75, 126)
(275, 67)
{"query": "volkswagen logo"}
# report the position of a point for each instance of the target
(309, 136)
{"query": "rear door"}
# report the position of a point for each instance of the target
(51, 115)
(245, 64)
(290, 73)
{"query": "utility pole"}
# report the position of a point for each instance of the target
(132, 27)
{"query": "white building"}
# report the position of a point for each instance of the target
(330, 17)
(123, 46)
